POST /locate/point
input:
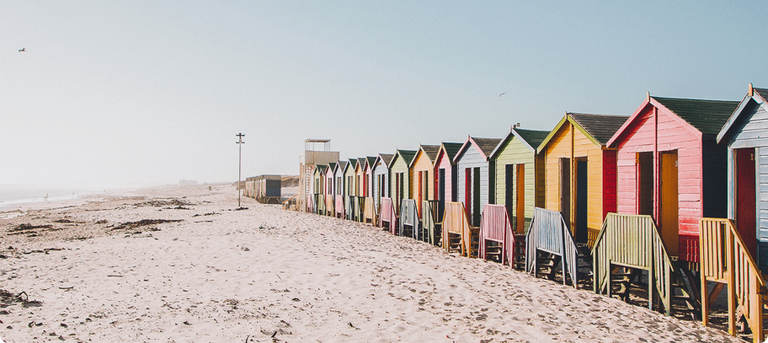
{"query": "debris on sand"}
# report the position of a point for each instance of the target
(173, 203)
(142, 223)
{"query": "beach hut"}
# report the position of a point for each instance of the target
(580, 172)
(350, 186)
(400, 177)
(423, 185)
(330, 191)
(338, 186)
(369, 209)
(381, 178)
(744, 234)
(519, 175)
(473, 174)
(266, 188)
(445, 176)
(318, 176)
(671, 168)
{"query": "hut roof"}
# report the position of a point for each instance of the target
(707, 116)
(600, 127)
(486, 144)
(370, 160)
(406, 155)
(531, 138)
(451, 149)
(387, 158)
(756, 95)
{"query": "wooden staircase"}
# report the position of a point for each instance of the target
(455, 224)
(548, 235)
(726, 261)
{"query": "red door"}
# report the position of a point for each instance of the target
(745, 198)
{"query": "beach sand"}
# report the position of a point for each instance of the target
(181, 264)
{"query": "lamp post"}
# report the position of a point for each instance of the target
(239, 164)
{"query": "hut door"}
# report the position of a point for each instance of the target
(669, 202)
(520, 198)
(745, 198)
(468, 192)
(476, 197)
(565, 189)
(441, 205)
(509, 191)
(397, 191)
(644, 183)
(581, 201)
(420, 191)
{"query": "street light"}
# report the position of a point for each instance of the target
(239, 164)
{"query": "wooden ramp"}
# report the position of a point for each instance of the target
(387, 215)
(429, 226)
(457, 233)
(409, 219)
(633, 241)
(726, 260)
(369, 210)
(495, 226)
(339, 206)
(548, 242)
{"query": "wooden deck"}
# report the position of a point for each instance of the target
(726, 260)
(633, 241)
(549, 233)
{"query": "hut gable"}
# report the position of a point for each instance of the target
(422, 166)
(400, 176)
(748, 116)
(473, 175)
(445, 184)
(381, 177)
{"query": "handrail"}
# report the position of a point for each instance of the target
(549, 232)
(726, 259)
(409, 215)
(455, 221)
(369, 211)
(633, 241)
(349, 207)
(428, 215)
(496, 226)
(387, 214)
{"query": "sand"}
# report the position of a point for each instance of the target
(267, 275)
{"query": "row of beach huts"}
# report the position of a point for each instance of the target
(671, 200)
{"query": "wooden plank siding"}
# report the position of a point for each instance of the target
(401, 166)
(748, 128)
(472, 157)
(570, 141)
(515, 150)
(381, 178)
(655, 130)
(423, 171)
(444, 162)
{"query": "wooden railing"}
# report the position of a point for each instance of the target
(329, 204)
(387, 214)
(409, 215)
(350, 207)
(495, 226)
(339, 206)
(726, 259)
(455, 222)
(633, 241)
(429, 220)
(369, 210)
(548, 232)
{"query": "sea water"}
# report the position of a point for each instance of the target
(14, 196)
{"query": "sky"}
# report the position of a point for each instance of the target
(123, 93)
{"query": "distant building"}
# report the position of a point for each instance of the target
(312, 156)
(188, 183)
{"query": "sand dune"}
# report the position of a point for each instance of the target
(180, 264)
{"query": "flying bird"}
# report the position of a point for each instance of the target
(23, 50)
(502, 93)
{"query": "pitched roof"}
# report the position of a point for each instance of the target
(360, 162)
(754, 96)
(407, 155)
(451, 149)
(387, 158)
(370, 160)
(531, 138)
(486, 144)
(707, 116)
(342, 165)
(352, 163)
(600, 127)
(431, 151)
(331, 166)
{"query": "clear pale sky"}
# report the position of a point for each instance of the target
(151, 92)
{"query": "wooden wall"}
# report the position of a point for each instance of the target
(443, 162)
(670, 133)
(400, 166)
(422, 163)
(379, 171)
(472, 157)
(569, 142)
(350, 181)
(516, 152)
